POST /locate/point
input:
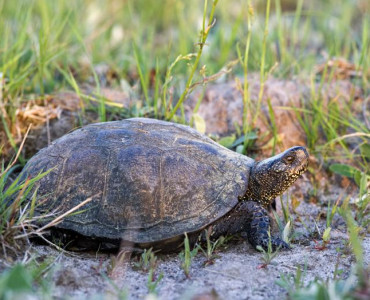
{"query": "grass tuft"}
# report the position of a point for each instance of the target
(186, 256)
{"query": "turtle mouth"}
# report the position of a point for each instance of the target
(299, 172)
(291, 178)
(301, 169)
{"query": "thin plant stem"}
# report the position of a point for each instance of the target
(263, 57)
(246, 96)
(18, 152)
(204, 35)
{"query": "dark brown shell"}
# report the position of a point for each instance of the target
(150, 180)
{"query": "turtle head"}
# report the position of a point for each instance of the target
(271, 177)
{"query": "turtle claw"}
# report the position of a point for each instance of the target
(278, 243)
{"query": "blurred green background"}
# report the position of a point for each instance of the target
(38, 37)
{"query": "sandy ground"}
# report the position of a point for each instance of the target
(234, 275)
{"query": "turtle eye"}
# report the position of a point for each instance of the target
(289, 159)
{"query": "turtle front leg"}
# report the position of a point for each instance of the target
(251, 219)
(258, 226)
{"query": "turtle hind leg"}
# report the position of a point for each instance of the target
(258, 227)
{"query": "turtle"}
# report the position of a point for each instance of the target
(152, 181)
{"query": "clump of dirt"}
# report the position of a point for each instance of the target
(58, 114)
(339, 68)
(222, 107)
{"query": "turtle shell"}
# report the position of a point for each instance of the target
(150, 180)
